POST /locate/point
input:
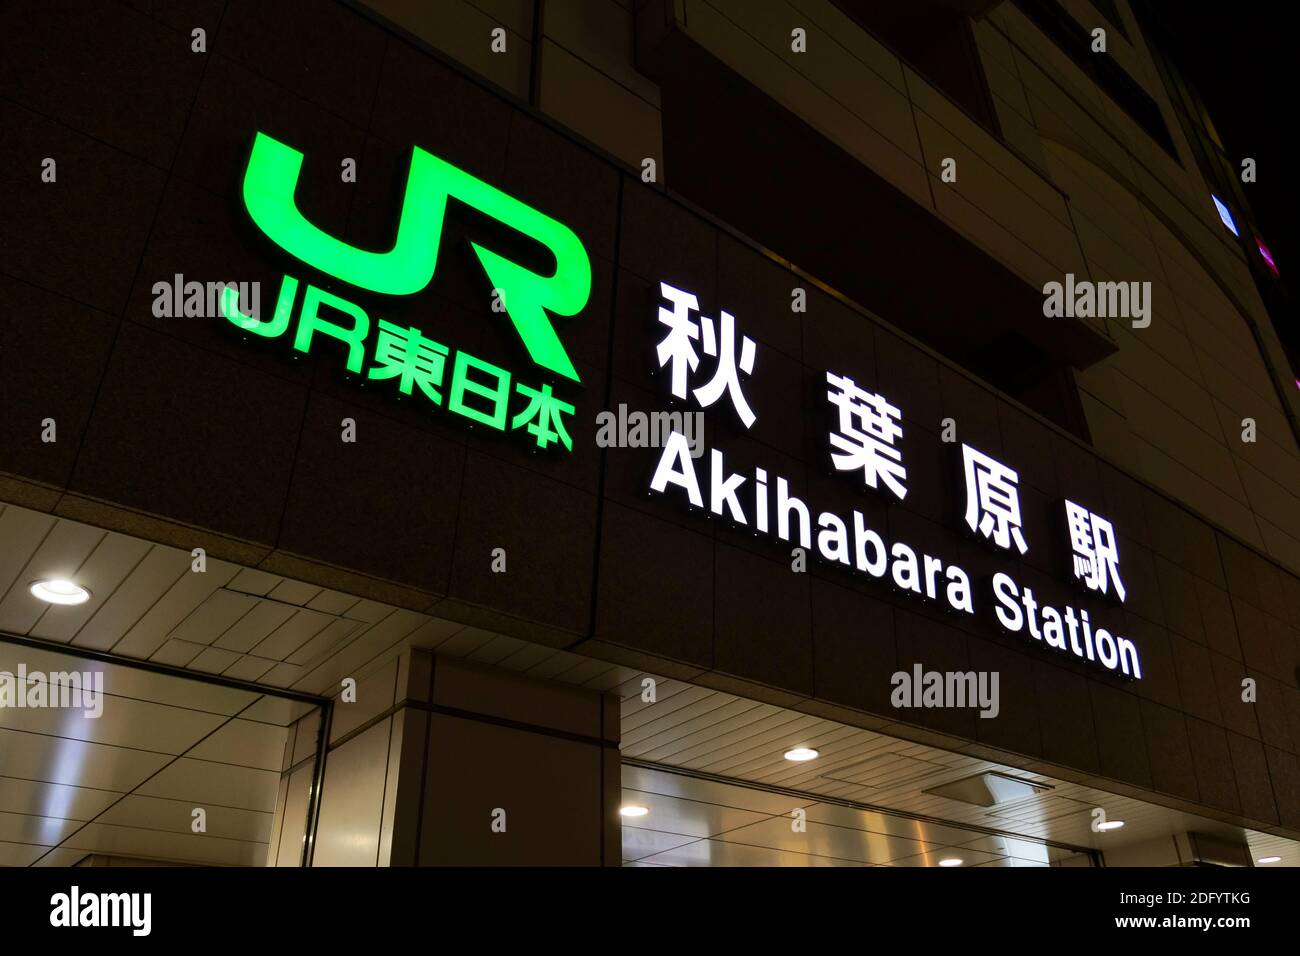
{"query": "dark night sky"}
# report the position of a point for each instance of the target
(1241, 56)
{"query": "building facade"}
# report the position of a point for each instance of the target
(619, 397)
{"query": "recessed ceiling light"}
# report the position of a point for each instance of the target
(1110, 825)
(633, 810)
(1268, 859)
(60, 591)
(800, 754)
(950, 861)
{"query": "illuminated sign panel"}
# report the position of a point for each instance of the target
(864, 448)
(1225, 215)
(707, 362)
(475, 389)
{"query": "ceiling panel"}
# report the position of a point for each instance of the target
(874, 822)
(255, 626)
(166, 845)
(22, 531)
(761, 757)
(885, 770)
(248, 668)
(690, 817)
(189, 591)
(639, 843)
(276, 710)
(372, 612)
(671, 699)
(151, 578)
(179, 654)
(612, 678)
(286, 639)
(360, 649)
(841, 843)
(74, 762)
(296, 592)
(694, 733)
(719, 853)
(253, 581)
(19, 854)
(27, 828)
(55, 856)
(1264, 845)
(50, 799)
(177, 816)
(583, 670)
(220, 784)
(497, 650)
(932, 856)
(246, 743)
(329, 639)
(210, 660)
(456, 641)
(525, 657)
(708, 791)
(282, 675)
(1028, 851)
(1012, 861)
(334, 602)
(124, 680)
(124, 722)
(1042, 808)
(218, 612)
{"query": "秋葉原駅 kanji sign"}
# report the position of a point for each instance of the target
(864, 446)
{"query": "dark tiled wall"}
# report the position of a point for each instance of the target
(180, 419)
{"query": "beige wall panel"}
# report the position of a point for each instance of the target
(600, 32)
(1178, 480)
(463, 31)
(294, 827)
(886, 143)
(1020, 134)
(844, 31)
(375, 694)
(599, 109)
(999, 175)
(993, 237)
(352, 801)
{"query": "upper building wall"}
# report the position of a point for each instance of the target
(578, 67)
(1170, 405)
(1069, 183)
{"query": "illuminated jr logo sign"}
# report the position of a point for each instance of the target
(271, 181)
(470, 387)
